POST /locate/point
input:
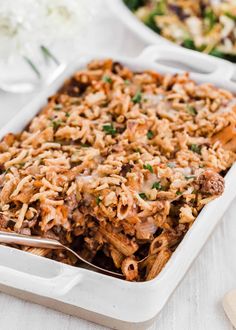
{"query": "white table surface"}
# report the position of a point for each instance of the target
(196, 304)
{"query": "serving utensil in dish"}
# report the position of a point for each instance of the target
(104, 299)
(46, 243)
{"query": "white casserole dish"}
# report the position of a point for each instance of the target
(123, 13)
(93, 296)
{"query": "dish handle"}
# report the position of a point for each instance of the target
(201, 66)
(54, 286)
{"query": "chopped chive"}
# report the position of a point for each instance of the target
(109, 129)
(191, 110)
(143, 195)
(33, 66)
(137, 97)
(157, 185)
(56, 123)
(48, 54)
(67, 114)
(178, 193)
(148, 167)
(150, 135)
(126, 81)
(98, 200)
(107, 79)
(195, 148)
(58, 107)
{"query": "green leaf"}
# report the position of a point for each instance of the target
(126, 81)
(150, 135)
(151, 23)
(210, 18)
(160, 7)
(143, 195)
(134, 4)
(178, 193)
(67, 114)
(195, 148)
(48, 54)
(137, 97)
(189, 43)
(109, 129)
(148, 167)
(158, 11)
(191, 110)
(233, 17)
(107, 79)
(157, 185)
(217, 53)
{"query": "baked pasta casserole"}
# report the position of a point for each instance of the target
(117, 166)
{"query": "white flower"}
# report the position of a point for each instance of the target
(27, 24)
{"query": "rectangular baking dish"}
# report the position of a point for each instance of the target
(99, 298)
(123, 13)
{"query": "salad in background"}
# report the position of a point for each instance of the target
(200, 25)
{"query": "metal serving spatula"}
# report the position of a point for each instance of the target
(40, 242)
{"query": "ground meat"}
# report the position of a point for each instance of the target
(3, 221)
(211, 183)
(126, 168)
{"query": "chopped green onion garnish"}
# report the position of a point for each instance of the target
(143, 195)
(150, 135)
(56, 123)
(137, 97)
(191, 110)
(148, 167)
(195, 148)
(98, 200)
(157, 185)
(107, 79)
(109, 129)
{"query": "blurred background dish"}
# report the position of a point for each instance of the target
(203, 25)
